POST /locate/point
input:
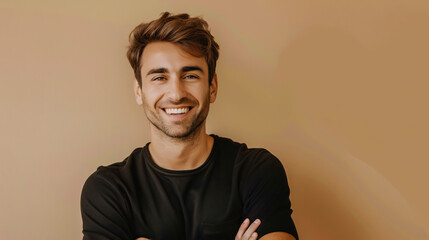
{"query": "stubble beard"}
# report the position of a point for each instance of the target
(190, 130)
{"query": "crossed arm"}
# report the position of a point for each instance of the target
(246, 232)
(267, 197)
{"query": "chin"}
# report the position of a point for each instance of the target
(179, 134)
(183, 133)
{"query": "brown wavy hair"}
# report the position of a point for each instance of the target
(190, 33)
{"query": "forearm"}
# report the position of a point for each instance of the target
(277, 236)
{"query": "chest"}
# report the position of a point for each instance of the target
(203, 206)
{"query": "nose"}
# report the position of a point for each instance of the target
(176, 89)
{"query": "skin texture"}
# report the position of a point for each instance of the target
(165, 83)
(177, 142)
(247, 230)
(173, 78)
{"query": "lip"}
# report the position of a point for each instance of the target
(163, 108)
(177, 117)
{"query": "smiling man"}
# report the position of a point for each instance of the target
(184, 184)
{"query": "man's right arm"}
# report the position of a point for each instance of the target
(105, 214)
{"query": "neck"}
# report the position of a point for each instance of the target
(180, 154)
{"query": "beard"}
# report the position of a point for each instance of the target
(183, 130)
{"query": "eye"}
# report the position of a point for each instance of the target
(191, 77)
(159, 78)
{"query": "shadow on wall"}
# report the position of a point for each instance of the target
(325, 73)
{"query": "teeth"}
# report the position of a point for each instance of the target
(176, 110)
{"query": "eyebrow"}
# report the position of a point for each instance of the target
(157, 70)
(165, 70)
(192, 68)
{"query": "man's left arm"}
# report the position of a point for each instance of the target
(265, 194)
(277, 236)
(247, 231)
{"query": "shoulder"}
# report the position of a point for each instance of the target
(256, 167)
(120, 167)
(246, 155)
(256, 164)
(115, 173)
(249, 160)
(241, 149)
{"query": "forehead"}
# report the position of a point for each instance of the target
(170, 56)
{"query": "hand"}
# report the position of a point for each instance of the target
(245, 233)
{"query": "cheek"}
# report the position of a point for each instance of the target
(200, 91)
(201, 97)
(151, 96)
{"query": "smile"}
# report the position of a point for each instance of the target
(175, 111)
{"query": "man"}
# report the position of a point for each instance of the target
(184, 184)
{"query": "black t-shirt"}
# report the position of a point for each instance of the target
(137, 198)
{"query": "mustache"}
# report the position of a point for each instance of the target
(182, 101)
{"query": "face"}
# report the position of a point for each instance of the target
(175, 90)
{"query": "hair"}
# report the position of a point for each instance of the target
(189, 33)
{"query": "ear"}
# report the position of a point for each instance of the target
(138, 92)
(213, 89)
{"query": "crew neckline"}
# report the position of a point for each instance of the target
(151, 162)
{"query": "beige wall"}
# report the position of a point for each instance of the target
(338, 90)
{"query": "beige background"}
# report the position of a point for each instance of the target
(338, 90)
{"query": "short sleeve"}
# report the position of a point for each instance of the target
(104, 211)
(265, 195)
